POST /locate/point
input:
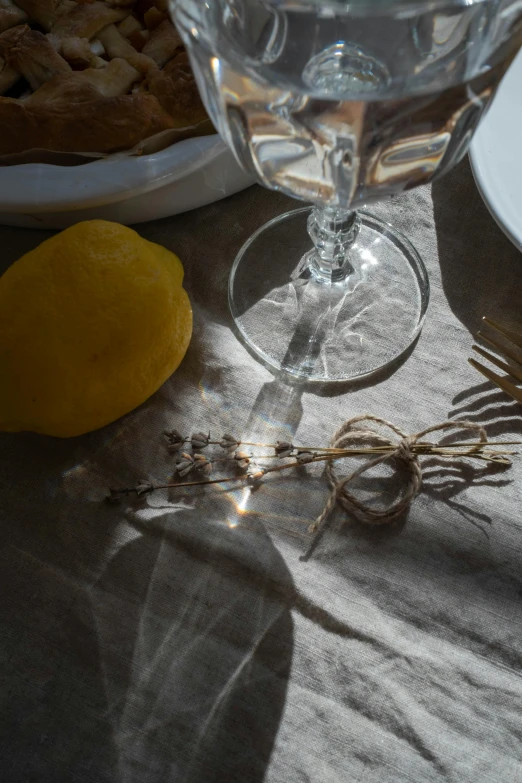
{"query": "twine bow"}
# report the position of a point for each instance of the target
(407, 449)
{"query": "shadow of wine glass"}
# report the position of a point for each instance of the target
(195, 644)
(151, 644)
(480, 268)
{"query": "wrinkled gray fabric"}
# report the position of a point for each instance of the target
(181, 638)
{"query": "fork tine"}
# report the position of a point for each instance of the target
(506, 386)
(514, 372)
(513, 337)
(506, 351)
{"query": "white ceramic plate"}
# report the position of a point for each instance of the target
(186, 175)
(496, 154)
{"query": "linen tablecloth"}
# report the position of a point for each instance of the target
(181, 638)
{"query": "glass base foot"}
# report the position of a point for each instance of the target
(299, 321)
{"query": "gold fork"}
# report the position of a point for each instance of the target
(514, 370)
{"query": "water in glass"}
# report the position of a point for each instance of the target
(341, 104)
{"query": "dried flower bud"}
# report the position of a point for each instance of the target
(184, 464)
(116, 495)
(202, 464)
(199, 440)
(242, 459)
(143, 487)
(304, 456)
(174, 440)
(228, 442)
(283, 448)
(255, 474)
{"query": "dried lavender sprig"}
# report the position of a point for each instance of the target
(304, 456)
(231, 441)
(255, 474)
(199, 440)
(498, 457)
(146, 487)
(284, 449)
(118, 494)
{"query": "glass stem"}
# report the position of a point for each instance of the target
(333, 232)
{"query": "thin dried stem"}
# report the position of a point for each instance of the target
(304, 455)
(200, 483)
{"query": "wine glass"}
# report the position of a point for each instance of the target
(341, 103)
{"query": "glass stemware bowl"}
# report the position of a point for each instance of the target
(341, 103)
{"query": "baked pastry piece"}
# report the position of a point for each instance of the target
(91, 76)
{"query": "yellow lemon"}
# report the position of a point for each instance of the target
(92, 322)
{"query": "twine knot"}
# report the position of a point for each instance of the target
(406, 449)
(403, 450)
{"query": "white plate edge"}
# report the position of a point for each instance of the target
(122, 177)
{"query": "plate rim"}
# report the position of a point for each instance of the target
(480, 159)
(502, 223)
(67, 188)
